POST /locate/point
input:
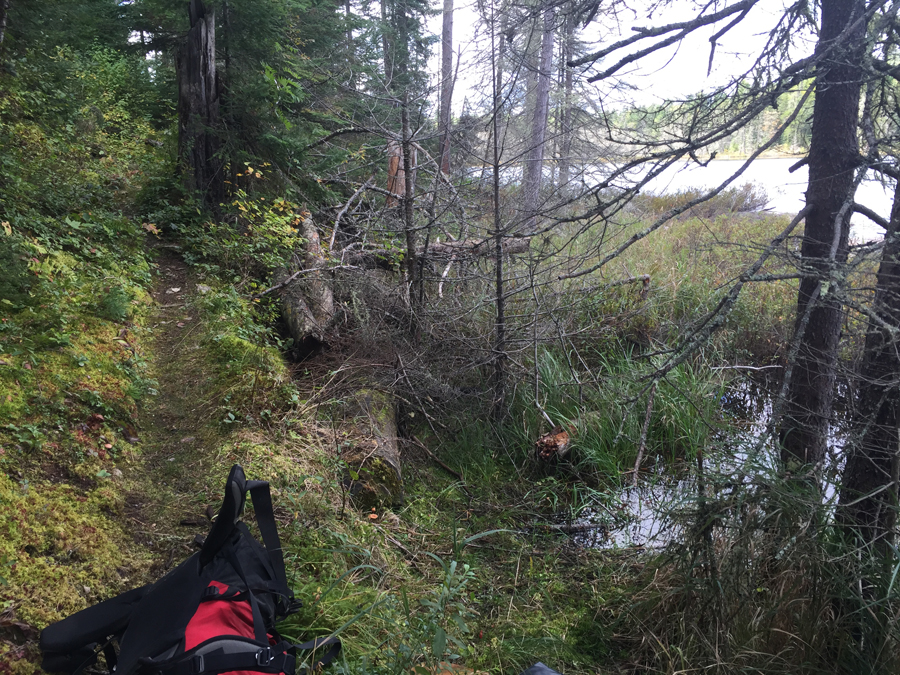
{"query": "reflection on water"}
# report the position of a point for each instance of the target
(656, 511)
(786, 189)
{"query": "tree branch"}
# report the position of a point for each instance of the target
(333, 134)
(870, 214)
(684, 27)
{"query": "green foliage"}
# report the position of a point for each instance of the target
(421, 633)
(255, 238)
(52, 23)
(114, 304)
(71, 127)
(771, 585)
(690, 265)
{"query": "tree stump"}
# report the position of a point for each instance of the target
(372, 457)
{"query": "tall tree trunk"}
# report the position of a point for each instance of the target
(198, 107)
(498, 407)
(4, 13)
(409, 261)
(534, 162)
(833, 155)
(446, 84)
(868, 498)
(565, 149)
(348, 29)
(387, 45)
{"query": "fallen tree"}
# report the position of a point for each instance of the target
(307, 298)
(437, 251)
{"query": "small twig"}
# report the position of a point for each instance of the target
(642, 444)
(412, 389)
(284, 283)
(569, 528)
(444, 275)
(643, 278)
(446, 468)
(337, 220)
(296, 274)
(544, 413)
(333, 134)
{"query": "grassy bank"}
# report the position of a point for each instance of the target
(136, 367)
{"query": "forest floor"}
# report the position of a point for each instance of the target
(177, 444)
(517, 596)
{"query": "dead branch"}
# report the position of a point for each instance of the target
(643, 443)
(437, 461)
(337, 220)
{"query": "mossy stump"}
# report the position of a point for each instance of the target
(373, 475)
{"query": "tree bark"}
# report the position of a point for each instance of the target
(565, 151)
(198, 107)
(409, 261)
(307, 305)
(4, 13)
(446, 84)
(396, 177)
(833, 155)
(868, 499)
(534, 162)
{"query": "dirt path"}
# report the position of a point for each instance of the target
(168, 502)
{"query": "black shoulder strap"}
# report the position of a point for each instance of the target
(313, 646)
(229, 515)
(265, 519)
(236, 489)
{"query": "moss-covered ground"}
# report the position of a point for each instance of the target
(79, 531)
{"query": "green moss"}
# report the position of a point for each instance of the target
(373, 483)
(59, 550)
(240, 354)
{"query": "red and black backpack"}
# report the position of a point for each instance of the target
(215, 613)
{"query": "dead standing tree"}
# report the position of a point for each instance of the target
(534, 158)
(198, 107)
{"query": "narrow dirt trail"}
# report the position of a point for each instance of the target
(167, 503)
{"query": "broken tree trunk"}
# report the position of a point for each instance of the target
(396, 179)
(307, 304)
(373, 475)
(198, 107)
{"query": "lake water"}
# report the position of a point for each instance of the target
(654, 513)
(785, 189)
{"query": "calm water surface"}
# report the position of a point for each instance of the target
(785, 189)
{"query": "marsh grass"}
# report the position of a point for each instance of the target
(761, 581)
(605, 410)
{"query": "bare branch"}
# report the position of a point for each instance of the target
(684, 28)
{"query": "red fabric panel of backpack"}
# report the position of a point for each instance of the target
(220, 617)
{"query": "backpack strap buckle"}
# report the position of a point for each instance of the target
(197, 665)
(264, 657)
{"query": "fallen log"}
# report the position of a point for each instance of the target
(372, 456)
(307, 299)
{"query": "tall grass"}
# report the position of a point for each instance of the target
(604, 409)
(761, 581)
